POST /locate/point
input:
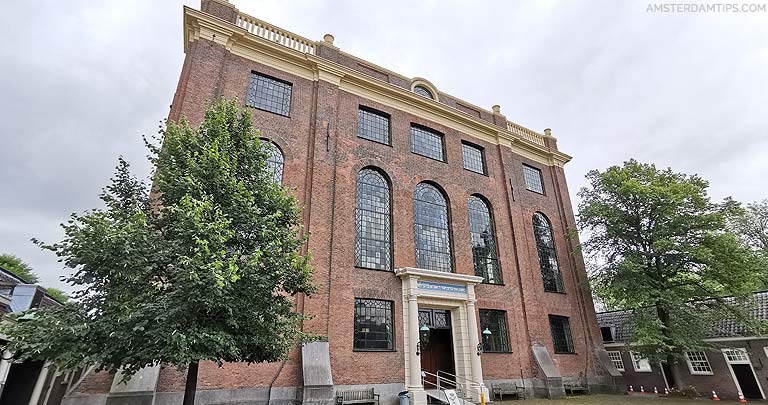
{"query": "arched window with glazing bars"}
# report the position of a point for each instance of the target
(373, 220)
(431, 229)
(545, 245)
(275, 162)
(485, 252)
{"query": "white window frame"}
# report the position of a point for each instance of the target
(620, 360)
(745, 360)
(690, 363)
(639, 368)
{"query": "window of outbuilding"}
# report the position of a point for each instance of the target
(616, 360)
(698, 364)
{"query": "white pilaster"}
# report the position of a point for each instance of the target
(477, 368)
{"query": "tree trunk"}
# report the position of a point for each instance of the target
(663, 313)
(191, 388)
(677, 376)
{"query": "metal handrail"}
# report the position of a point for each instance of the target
(461, 390)
(469, 386)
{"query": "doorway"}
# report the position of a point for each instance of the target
(437, 354)
(742, 372)
(21, 381)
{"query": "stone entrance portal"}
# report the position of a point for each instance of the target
(447, 293)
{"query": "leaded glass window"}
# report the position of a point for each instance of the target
(373, 125)
(533, 180)
(545, 245)
(561, 334)
(485, 253)
(374, 325)
(423, 91)
(430, 228)
(473, 158)
(496, 322)
(269, 94)
(275, 162)
(373, 236)
(427, 143)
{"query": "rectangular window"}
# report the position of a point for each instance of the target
(561, 334)
(533, 180)
(607, 332)
(374, 325)
(640, 364)
(269, 94)
(427, 143)
(373, 125)
(473, 158)
(698, 363)
(616, 359)
(494, 321)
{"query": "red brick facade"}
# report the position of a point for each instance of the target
(323, 155)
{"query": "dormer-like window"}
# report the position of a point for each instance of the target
(424, 92)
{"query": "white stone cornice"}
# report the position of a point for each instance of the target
(438, 276)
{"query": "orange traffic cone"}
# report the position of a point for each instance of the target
(631, 389)
(642, 390)
(714, 396)
(666, 391)
(741, 397)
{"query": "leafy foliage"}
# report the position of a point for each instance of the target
(659, 246)
(19, 268)
(752, 227)
(59, 295)
(202, 268)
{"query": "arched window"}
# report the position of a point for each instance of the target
(275, 162)
(373, 219)
(423, 91)
(545, 244)
(485, 254)
(430, 229)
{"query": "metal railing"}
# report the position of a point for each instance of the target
(443, 383)
(469, 384)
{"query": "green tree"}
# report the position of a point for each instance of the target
(752, 226)
(204, 267)
(18, 267)
(58, 294)
(659, 246)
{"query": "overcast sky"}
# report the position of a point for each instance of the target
(81, 81)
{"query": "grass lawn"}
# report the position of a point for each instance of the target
(613, 399)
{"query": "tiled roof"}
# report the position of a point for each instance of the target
(621, 321)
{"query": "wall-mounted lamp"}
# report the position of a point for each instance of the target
(423, 338)
(486, 337)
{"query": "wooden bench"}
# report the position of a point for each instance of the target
(365, 396)
(575, 386)
(501, 389)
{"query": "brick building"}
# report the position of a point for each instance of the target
(737, 361)
(437, 229)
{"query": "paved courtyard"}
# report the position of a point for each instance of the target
(613, 399)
